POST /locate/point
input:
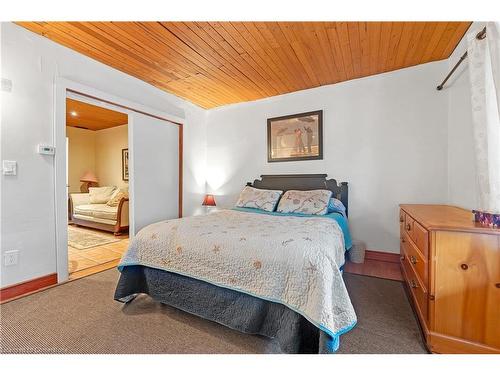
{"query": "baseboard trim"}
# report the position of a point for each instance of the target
(382, 256)
(26, 287)
(93, 270)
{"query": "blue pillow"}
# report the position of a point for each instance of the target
(334, 205)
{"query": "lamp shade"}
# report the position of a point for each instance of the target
(209, 200)
(88, 177)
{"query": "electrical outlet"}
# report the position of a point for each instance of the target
(10, 258)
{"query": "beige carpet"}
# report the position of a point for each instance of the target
(81, 238)
(82, 317)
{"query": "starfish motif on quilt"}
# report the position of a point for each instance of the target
(312, 267)
(166, 262)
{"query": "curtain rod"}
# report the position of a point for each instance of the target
(480, 35)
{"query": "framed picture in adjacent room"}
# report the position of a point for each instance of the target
(125, 164)
(295, 137)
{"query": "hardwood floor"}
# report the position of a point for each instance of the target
(375, 268)
(95, 259)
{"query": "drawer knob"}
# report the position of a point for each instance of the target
(413, 284)
(408, 226)
(413, 260)
(403, 240)
(497, 285)
(402, 257)
(401, 219)
(464, 266)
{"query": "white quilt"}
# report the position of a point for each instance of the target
(291, 260)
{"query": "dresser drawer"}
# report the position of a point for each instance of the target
(416, 259)
(408, 227)
(417, 290)
(421, 238)
(416, 232)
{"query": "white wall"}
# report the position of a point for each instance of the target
(462, 183)
(32, 62)
(195, 162)
(81, 155)
(108, 155)
(386, 135)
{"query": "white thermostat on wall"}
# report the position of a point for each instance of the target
(46, 150)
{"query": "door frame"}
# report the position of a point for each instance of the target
(64, 88)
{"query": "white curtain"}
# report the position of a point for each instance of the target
(484, 68)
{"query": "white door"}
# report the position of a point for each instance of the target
(154, 171)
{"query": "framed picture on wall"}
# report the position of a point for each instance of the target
(295, 137)
(125, 164)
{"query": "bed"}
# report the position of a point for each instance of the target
(267, 273)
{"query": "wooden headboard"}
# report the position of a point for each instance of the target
(302, 182)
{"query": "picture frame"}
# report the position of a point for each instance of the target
(295, 137)
(125, 164)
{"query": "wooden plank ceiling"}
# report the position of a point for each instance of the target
(218, 63)
(92, 117)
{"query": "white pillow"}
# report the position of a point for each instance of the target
(309, 202)
(259, 198)
(101, 194)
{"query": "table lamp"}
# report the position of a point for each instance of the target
(89, 179)
(209, 201)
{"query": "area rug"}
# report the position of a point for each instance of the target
(82, 317)
(82, 239)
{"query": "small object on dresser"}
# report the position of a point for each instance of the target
(487, 218)
(357, 252)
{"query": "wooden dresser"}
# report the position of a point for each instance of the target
(452, 269)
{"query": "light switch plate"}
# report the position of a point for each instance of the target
(10, 258)
(9, 167)
(6, 85)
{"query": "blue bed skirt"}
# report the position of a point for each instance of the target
(231, 308)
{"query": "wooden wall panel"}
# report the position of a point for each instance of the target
(219, 63)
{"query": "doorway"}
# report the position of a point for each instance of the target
(98, 192)
(155, 165)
